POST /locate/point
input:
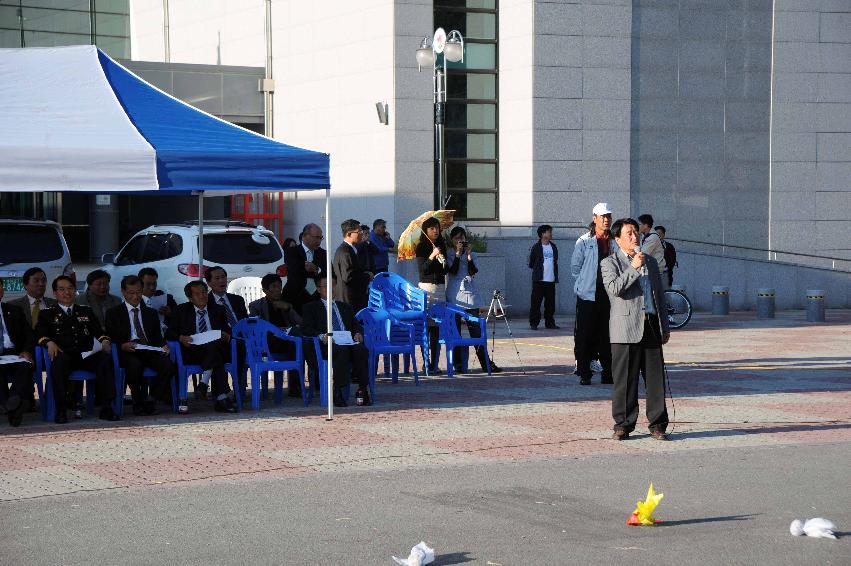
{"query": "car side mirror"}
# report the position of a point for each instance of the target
(107, 258)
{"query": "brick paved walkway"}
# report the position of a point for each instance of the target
(737, 382)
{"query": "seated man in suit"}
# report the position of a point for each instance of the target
(67, 331)
(132, 324)
(351, 281)
(637, 332)
(233, 305)
(35, 284)
(194, 317)
(282, 314)
(304, 265)
(97, 295)
(149, 277)
(349, 361)
(16, 339)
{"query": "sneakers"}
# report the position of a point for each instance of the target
(596, 366)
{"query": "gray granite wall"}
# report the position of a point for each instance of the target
(811, 152)
(700, 117)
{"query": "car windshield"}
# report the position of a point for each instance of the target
(239, 248)
(29, 243)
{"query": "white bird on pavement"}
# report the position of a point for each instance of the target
(816, 528)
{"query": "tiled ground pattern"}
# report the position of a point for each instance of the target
(737, 382)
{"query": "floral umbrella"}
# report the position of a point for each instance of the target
(409, 239)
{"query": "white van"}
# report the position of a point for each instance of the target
(26, 243)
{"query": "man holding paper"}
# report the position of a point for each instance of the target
(16, 346)
(202, 329)
(71, 333)
(136, 330)
(349, 360)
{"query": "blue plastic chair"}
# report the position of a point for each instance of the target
(322, 372)
(37, 371)
(121, 380)
(259, 359)
(450, 336)
(382, 335)
(87, 377)
(393, 293)
(184, 372)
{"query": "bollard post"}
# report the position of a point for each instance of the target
(815, 305)
(720, 299)
(765, 303)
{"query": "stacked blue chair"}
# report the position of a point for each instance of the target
(446, 315)
(381, 333)
(147, 373)
(259, 358)
(184, 371)
(48, 411)
(406, 303)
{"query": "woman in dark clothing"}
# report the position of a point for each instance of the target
(431, 263)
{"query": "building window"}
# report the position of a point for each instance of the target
(472, 122)
(38, 23)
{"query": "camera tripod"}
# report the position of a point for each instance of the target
(497, 310)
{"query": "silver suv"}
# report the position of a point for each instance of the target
(242, 249)
(26, 243)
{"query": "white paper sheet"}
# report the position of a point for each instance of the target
(206, 337)
(96, 347)
(13, 360)
(158, 302)
(151, 348)
(343, 338)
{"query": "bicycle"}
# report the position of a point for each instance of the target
(678, 307)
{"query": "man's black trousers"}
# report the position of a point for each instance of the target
(543, 291)
(591, 337)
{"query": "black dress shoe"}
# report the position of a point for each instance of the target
(225, 406)
(339, 401)
(61, 417)
(607, 381)
(367, 400)
(151, 406)
(293, 392)
(79, 410)
(201, 391)
(553, 327)
(107, 414)
(533, 327)
(15, 410)
(495, 368)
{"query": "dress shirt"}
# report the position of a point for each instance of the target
(4, 332)
(133, 335)
(337, 317)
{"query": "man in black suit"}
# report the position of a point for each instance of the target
(351, 282)
(274, 309)
(130, 325)
(194, 317)
(305, 263)
(67, 331)
(349, 361)
(16, 339)
(233, 305)
(149, 278)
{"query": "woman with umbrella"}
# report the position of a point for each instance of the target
(431, 263)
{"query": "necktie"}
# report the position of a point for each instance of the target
(337, 322)
(36, 309)
(202, 320)
(228, 312)
(2, 336)
(137, 325)
(310, 287)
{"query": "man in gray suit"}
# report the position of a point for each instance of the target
(35, 284)
(637, 332)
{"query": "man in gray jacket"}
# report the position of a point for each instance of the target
(637, 332)
(591, 329)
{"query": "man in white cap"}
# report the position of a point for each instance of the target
(591, 330)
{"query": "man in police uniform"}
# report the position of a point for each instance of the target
(67, 330)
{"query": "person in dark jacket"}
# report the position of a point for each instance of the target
(366, 253)
(351, 281)
(67, 331)
(431, 264)
(16, 339)
(304, 265)
(129, 325)
(670, 256)
(543, 261)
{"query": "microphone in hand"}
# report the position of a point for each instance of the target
(640, 256)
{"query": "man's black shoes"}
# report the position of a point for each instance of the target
(107, 414)
(339, 401)
(15, 410)
(226, 405)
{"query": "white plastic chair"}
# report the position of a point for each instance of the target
(246, 287)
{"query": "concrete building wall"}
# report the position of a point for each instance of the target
(811, 150)
(332, 61)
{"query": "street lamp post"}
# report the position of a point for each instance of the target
(451, 47)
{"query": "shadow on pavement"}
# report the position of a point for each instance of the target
(452, 558)
(758, 430)
(709, 520)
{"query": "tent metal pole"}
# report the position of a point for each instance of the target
(200, 235)
(329, 282)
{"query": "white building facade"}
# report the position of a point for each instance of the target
(728, 121)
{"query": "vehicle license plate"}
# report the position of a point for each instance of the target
(13, 284)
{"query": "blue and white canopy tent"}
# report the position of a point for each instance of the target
(72, 119)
